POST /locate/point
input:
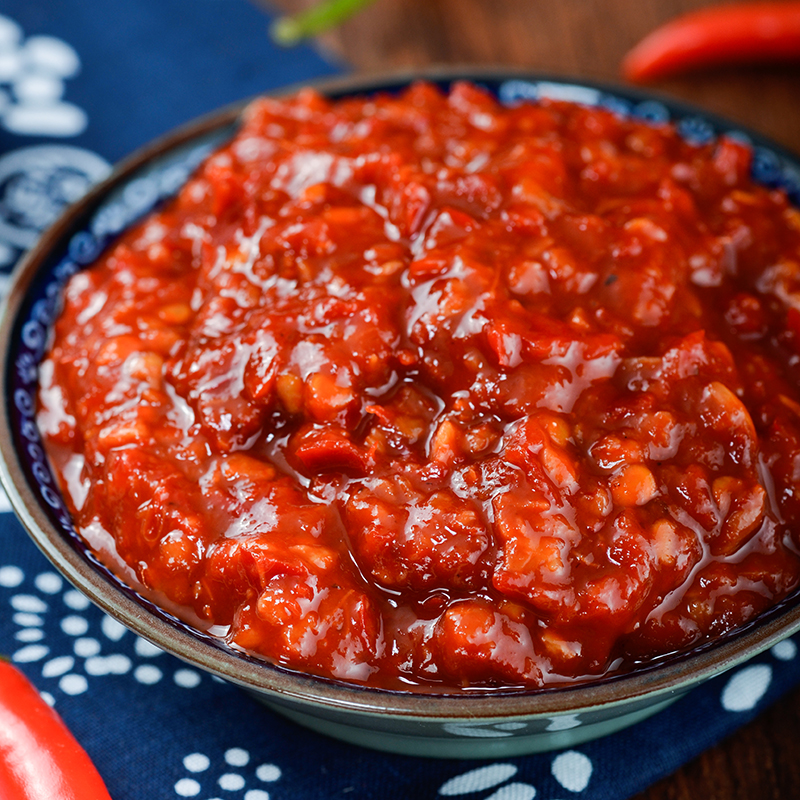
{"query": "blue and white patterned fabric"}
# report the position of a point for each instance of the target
(83, 83)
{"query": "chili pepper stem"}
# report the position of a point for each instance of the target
(289, 30)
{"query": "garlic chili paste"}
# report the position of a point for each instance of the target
(419, 391)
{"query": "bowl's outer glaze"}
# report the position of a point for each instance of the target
(480, 725)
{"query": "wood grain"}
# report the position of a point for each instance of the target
(588, 39)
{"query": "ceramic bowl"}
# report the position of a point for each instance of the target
(427, 725)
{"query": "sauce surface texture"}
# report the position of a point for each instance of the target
(427, 392)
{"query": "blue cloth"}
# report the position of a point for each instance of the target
(83, 83)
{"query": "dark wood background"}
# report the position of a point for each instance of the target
(587, 39)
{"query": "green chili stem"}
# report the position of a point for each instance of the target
(289, 30)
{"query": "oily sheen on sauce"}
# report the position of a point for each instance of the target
(425, 392)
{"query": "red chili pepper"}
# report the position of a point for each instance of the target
(725, 34)
(39, 758)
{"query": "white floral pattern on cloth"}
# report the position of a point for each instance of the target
(571, 769)
(96, 646)
(235, 776)
(32, 76)
(746, 687)
(38, 182)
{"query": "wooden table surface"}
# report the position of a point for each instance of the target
(587, 39)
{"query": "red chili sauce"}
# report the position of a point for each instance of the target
(427, 392)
